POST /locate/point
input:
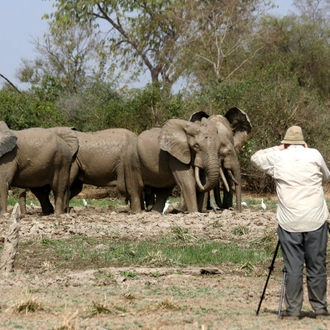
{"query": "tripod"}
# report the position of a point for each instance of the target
(271, 267)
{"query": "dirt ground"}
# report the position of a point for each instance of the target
(177, 298)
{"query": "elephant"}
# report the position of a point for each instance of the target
(36, 157)
(180, 153)
(104, 158)
(234, 129)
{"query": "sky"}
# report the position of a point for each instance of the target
(21, 22)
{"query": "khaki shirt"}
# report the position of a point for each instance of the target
(299, 174)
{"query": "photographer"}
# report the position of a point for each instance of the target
(302, 214)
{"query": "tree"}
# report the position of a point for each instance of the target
(224, 37)
(317, 10)
(143, 35)
(67, 57)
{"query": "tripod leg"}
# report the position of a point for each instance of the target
(271, 267)
(279, 316)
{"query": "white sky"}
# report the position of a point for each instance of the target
(20, 22)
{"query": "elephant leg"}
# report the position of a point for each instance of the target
(42, 194)
(228, 195)
(228, 199)
(60, 188)
(203, 199)
(148, 198)
(182, 204)
(129, 184)
(191, 199)
(185, 178)
(22, 200)
(135, 202)
(208, 201)
(188, 193)
(61, 200)
(162, 195)
(217, 197)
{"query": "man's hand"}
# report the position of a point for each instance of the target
(282, 146)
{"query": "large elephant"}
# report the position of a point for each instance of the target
(180, 153)
(104, 158)
(36, 157)
(234, 130)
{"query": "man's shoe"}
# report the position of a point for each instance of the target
(286, 316)
(323, 316)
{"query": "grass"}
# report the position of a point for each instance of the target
(106, 202)
(255, 203)
(27, 305)
(168, 304)
(252, 203)
(169, 251)
(98, 308)
(178, 247)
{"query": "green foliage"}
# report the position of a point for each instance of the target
(21, 111)
(88, 110)
(140, 110)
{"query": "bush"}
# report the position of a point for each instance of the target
(21, 111)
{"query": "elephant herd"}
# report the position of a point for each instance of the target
(197, 155)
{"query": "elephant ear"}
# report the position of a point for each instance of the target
(69, 136)
(7, 139)
(173, 138)
(197, 116)
(240, 125)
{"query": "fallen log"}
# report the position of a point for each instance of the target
(11, 242)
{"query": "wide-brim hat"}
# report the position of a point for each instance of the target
(293, 135)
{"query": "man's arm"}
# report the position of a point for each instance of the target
(264, 159)
(325, 171)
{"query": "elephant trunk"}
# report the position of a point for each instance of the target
(211, 175)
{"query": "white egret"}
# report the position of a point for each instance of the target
(84, 202)
(263, 205)
(167, 205)
(244, 204)
(32, 205)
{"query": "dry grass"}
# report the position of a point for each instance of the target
(67, 321)
(168, 304)
(27, 305)
(98, 308)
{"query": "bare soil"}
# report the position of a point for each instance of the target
(223, 296)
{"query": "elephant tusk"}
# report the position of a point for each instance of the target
(224, 179)
(198, 181)
(232, 177)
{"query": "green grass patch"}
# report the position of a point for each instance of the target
(78, 202)
(97, 202)
(255, 203)
(85, 252)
